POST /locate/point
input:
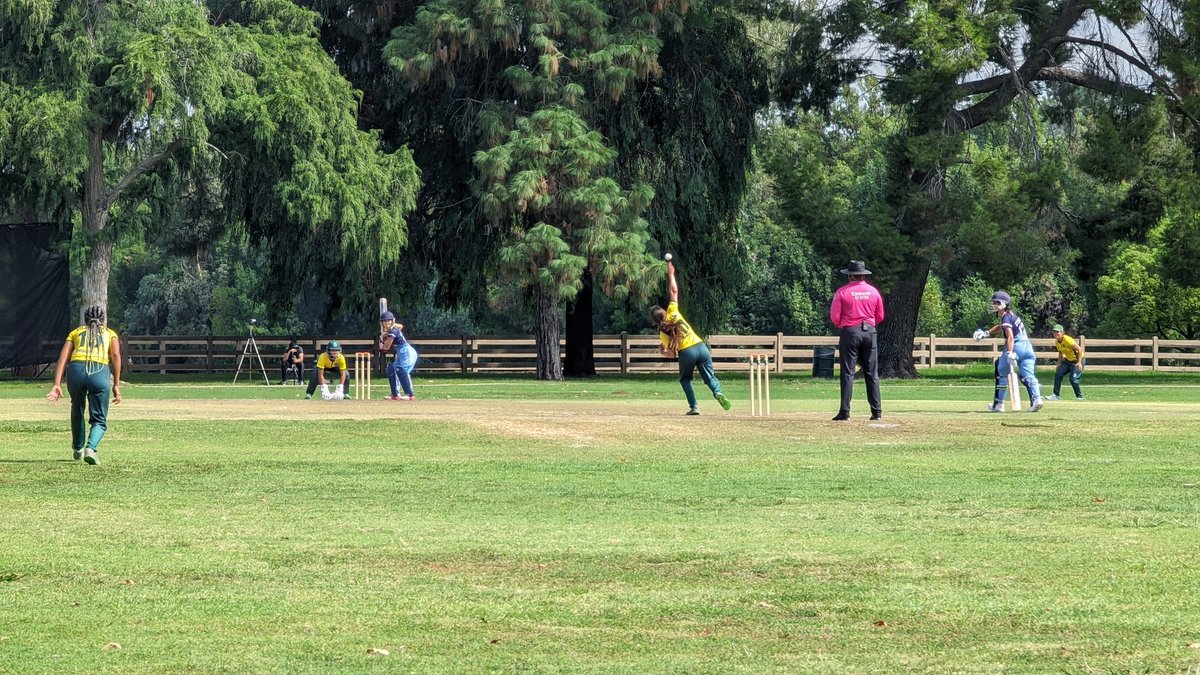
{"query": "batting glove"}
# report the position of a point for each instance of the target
(979, 334)
(1012, 358)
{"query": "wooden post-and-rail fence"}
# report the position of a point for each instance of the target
(626, 353)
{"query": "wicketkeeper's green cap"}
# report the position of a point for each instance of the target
(1057, 328)
(334, 346)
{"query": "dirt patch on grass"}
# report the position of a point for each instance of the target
(581, 424)
(591, 423)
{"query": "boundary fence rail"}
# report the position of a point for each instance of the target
(635, 353)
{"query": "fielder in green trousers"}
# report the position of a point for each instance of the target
(91, 361)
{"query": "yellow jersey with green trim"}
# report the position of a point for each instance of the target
(91, 348)
(1067, 347)
(689, 338)
(326, 363)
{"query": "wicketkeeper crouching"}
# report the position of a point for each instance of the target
(332, 364)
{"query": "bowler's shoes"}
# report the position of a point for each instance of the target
(77, 454)
(1037, 405)
(693, 411)
(841, 417)
(89, 456)
(395, 398)
(723, 401)
(1078, 398)
(876, 415)
(995, 407)
(308, 397)
(1052, 397)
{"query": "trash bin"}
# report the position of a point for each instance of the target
(823, 361)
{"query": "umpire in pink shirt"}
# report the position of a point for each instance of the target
(856, 310)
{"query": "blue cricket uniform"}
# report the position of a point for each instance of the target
(1026, 360)
(399, 371)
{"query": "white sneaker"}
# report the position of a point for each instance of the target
(995, 407)
(1052, 397)
(1037, 405)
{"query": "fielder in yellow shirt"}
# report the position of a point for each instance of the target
(91, 360)
(1070, 362)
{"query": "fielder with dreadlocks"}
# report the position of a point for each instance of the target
(679, 340)
(91, 360)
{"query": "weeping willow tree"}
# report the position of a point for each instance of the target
(106, 107)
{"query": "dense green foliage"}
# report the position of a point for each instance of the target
(689, 135)
(543, 174)
(165, 117)
(521, 166)
(994, 158)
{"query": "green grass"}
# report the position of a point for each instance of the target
(504, 524)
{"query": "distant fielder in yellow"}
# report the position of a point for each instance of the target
(91, 361)
(1070, 362)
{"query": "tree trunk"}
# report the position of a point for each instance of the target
(95, 217)
(95, 274)
(549, 359)
(581, 355)
(900, 325)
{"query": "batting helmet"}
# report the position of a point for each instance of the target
(1002, 298)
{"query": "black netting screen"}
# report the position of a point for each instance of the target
(34, 305)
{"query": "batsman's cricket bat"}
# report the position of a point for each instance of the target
(1014, 390)
(382, 306)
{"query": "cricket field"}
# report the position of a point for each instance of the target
(502, 524)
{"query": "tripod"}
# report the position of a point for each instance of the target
(251, 348)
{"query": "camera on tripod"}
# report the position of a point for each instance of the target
(249, 355)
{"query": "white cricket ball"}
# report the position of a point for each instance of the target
(667, 257)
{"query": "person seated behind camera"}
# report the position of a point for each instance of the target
(293, 356)
(331, 362)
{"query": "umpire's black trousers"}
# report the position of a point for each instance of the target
(857, 346)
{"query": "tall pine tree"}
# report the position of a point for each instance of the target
(522, 76)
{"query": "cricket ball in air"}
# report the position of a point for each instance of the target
(667, 257)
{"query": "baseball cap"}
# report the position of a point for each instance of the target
(1057, 328)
